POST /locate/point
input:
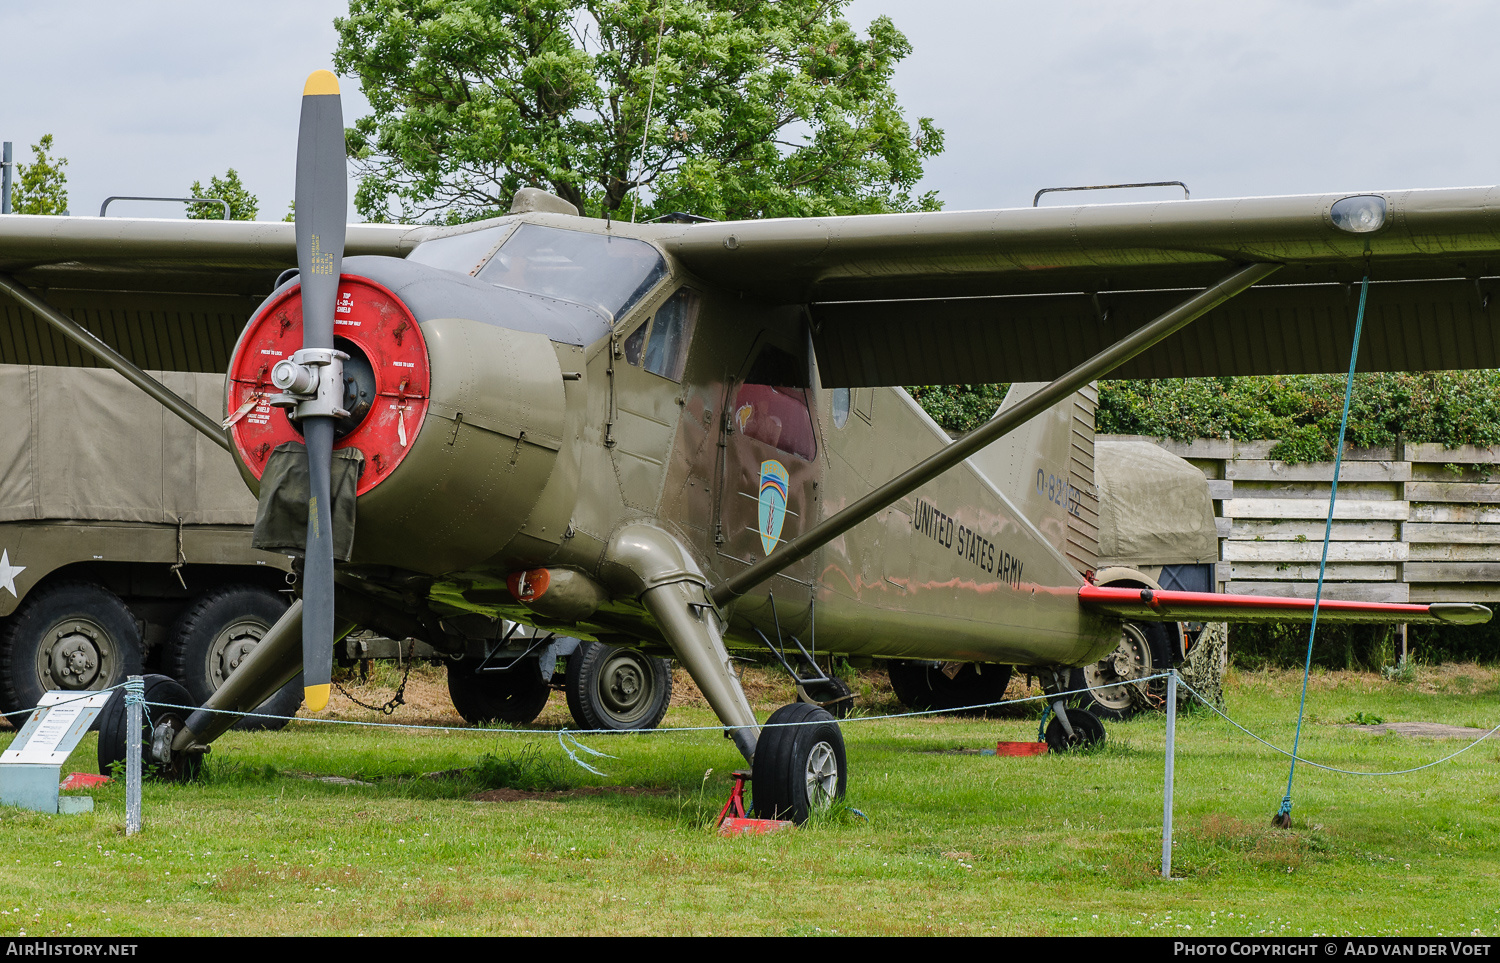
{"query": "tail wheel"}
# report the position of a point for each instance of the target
(68, 635)
(114, 731)
(925, 686)
(617, 688)
(516, 695)
(215, 634)
(1114, 693)
(800, 766)
(1088, 732)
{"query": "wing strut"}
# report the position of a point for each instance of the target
(86, 339)
(923, 472)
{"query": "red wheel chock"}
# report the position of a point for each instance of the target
(732, 820)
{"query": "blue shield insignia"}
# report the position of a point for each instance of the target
(773, 487)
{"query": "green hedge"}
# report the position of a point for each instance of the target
(1450, 408)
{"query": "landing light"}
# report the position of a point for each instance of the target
(1360, 214)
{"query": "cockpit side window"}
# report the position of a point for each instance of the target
(635, 343)
(671, 330)
(606, 272)
(660, 344)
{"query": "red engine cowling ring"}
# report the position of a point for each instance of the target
(369, 316)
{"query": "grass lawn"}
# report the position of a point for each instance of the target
(950, 841)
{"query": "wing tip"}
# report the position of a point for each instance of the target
(1460, 613)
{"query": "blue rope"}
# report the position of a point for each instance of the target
(1283, 815)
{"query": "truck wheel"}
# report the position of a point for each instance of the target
(515, 696)
(114, 732)
(68, 635)
(924, 686)
(617, 688)
(1144, 650)
(213, 635)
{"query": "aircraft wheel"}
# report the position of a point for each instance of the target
(833, 695)
(515, 696)
(924, 686)
(799, 769)
(1143, 650)
(68, 635)
(1088, 732)
(617, 688)
(214, 634)
(114, 731)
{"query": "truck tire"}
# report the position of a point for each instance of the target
(615, 688)
(517, 696)
(924, 686)
(67, 635)
(213, 635)
(1145, 649)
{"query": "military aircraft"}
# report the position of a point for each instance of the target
(682, 433)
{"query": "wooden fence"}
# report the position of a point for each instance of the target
(1418, 523)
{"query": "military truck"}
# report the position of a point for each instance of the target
(124, 541)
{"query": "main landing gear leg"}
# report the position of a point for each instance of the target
(644, 561)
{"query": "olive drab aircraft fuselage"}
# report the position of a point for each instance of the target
(687, 434)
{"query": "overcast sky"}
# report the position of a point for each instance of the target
(1237, 98)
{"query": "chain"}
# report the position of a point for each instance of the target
(391, 704)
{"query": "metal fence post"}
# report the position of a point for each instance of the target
(135, 697)
(1171, 753)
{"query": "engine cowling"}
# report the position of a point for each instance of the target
(460, 423)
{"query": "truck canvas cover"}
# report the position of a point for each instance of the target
(1154, 507)
(83, 443)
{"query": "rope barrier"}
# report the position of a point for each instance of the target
(571, 735)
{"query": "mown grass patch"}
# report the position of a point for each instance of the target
(944, 842)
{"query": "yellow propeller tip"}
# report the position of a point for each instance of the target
(316, 697)
(321, 82)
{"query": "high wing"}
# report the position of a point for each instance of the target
(1026, 294)
(171, 295)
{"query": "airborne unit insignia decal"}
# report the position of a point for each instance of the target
(773, 487)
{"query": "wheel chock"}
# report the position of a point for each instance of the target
(732, 820)
(1018, 749)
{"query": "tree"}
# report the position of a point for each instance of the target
(243, 205)
(757, 108)
(41, 186)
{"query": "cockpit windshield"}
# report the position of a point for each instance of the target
(602, 271)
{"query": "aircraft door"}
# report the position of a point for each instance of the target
(769, 483)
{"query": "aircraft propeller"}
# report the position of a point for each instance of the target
(311, 380)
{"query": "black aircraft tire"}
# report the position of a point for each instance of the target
(68, 635)
(214, 633)
(114, 731)
(1146, 647)
(617, 688)
(1088, 732)
(515, 696)
(798, 769)
(923, 686)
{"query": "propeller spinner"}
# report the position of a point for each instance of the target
(311, 380)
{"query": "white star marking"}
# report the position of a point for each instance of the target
(8, 573)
